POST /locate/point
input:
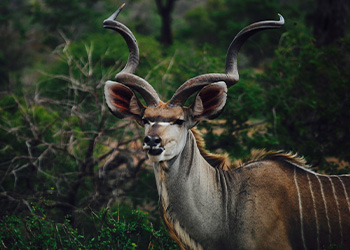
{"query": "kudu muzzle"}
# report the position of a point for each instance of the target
(153, 145)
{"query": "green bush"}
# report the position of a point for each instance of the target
(307, 97)
(241, 127)
(111, 231)
(60, 146)
(217, 23)
(62, 149)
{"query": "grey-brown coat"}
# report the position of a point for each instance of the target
(270, 202)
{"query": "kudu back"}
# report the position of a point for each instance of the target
(270, 202)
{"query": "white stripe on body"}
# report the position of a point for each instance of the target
(337, 203)
(300, 208)
(346, 193)
(315, 211)
(326, 209)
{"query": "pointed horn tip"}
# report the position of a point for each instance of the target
(119, 10)
(281, 21)
(115, 14)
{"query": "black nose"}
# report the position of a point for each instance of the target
(152, 141)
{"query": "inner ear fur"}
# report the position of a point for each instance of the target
(209, 102)
(123, 102)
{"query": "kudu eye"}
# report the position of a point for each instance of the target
(145, 121)
(179, 122)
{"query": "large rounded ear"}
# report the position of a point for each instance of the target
(122, 101)
(209, 102)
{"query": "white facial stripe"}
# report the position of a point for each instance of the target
(160, 123)
(173, 138)
(163, 123)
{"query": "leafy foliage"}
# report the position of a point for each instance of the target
(57, 145)
(241, 127)
(308, 97)
(111, 231)
(218, 22)
(60, 148)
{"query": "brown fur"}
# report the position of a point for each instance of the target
(279, 156)
(215, 160)
(170, 227)
(222, 160)
(163, 111)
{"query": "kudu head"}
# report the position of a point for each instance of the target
(166, 123)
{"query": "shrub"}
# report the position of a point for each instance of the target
(111, 231)
(307, 93)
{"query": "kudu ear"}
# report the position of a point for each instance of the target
(209, 102)
(123, 102)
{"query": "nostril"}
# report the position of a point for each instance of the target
(152, 141)
(147, 139)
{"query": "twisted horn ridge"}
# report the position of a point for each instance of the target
(231, 77)
(133, 60)
(242, 36)
(126, 76)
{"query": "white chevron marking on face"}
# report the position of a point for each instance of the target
(160, 123)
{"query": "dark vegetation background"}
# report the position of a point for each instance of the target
(73, 176)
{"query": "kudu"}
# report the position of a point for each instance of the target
(271, 202)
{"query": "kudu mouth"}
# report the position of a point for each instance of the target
(157, 151)
(153, 150)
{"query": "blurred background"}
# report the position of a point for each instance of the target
(74, 176)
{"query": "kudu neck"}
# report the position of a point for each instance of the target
(190, 189)
(190, 171)
(189, 158)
